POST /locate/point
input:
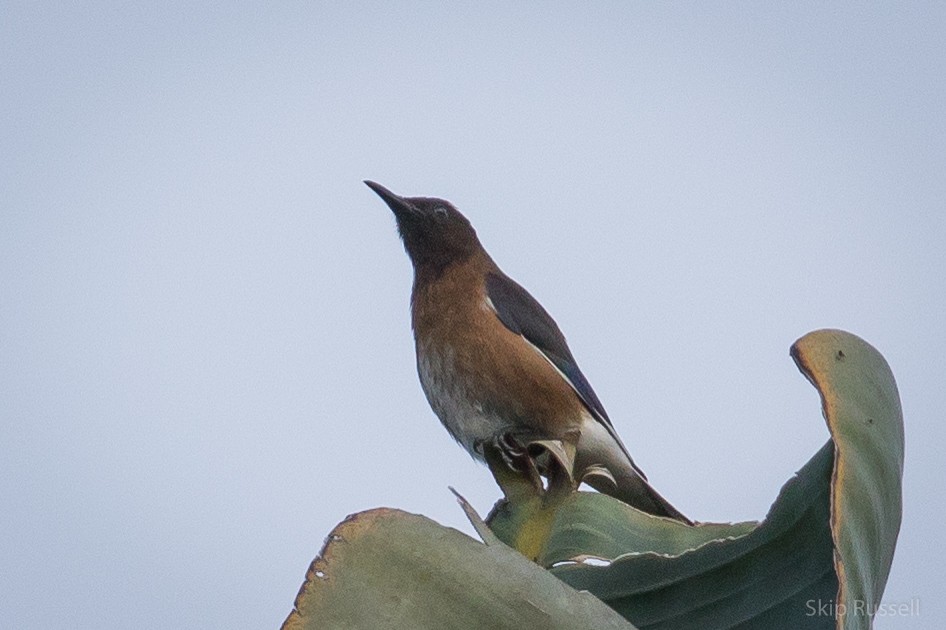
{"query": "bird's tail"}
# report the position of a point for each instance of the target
(599, 447)
(638, 493)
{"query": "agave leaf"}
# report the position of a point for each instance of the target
(762, 578)
(389, 569)
(593, 525)
(820, 559)
(824, 550)
(861, 405)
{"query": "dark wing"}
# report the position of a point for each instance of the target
(522, 314)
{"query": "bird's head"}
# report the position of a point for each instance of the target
(435, 234)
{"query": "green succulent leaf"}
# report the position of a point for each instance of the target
(389, 569)
(820, 559)
(861, 404)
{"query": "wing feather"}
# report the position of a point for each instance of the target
(522, 314)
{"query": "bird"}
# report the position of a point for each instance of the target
(492, 361)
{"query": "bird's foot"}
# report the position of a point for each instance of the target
(516, 457)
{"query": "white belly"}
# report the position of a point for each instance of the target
(466, 418)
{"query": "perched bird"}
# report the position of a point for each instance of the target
(492, 361)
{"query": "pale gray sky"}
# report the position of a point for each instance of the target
(205, 352)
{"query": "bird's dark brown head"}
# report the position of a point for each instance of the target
(435, 234)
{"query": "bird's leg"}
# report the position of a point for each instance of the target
(516, 452)
(515, 457)
(513, 468)
(557, 461)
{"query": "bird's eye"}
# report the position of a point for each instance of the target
(440, 212)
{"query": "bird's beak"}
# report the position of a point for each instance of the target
(398, 205)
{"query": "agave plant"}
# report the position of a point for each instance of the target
(554, 557)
